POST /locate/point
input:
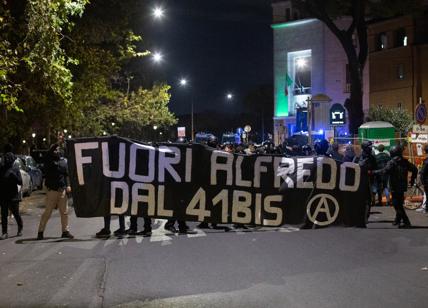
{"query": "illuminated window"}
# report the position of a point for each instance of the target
(382, 41)
(400, 71)
(400, 37)
(299, 70)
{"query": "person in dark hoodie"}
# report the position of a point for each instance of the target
(58, 185)
(10, 178)
(397, 169)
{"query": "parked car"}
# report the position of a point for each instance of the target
(35, 173)
(27, 184)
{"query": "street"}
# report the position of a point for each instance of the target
(380, 266)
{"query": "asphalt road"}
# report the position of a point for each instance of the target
(380, 266)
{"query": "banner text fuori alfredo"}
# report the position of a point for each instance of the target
(114, 175)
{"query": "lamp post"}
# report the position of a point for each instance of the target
(184, 83)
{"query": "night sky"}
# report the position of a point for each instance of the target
(219, 46)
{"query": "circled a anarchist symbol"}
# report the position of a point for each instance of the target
(322, 203)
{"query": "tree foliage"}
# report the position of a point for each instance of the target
(69, 64)
(401, 119)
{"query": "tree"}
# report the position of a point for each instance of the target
(360, 12)
(401, 119)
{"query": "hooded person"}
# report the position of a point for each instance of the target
(397, 169)
(58, 185)
(10, 178)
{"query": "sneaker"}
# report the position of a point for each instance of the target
(4, 236)
(171, 229)
(40, 236)
(119, 232)
(396, 223)
(405, 225)
(186, 231)
(131, 231)
(67, 234)
(103, 233)
(145, 232)
(19, 232)
(203, 225)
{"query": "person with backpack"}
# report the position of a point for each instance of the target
(397, 169)
(10, 178)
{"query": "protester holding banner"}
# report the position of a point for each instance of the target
(397, 169)
(368, 161)
(58, 185)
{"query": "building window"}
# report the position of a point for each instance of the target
(382, 41)
(400, 37)
(400, 71)
(299, 70)
(287, 14)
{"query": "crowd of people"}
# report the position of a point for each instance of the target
(387, 173)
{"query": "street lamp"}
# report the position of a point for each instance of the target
(33, 135)
(155, 127)
(158, 12)
(65, 131)
(183, 83)
(229, 96)
(157, 57)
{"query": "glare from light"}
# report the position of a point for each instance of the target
(69, 136)
(113, 124)
(104, 133)
(301, 62)
(158, 12)
(183, 82)
(44, 139)
(157, 57)
(33, 135)
(229, 96)
(65, 131)
(24, 141)
(155, 127)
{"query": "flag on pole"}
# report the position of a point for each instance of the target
(288, 83)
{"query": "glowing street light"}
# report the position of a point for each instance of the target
(155, 127)
(33, 135)
(158, 12)
(229, 96)
(24, 141)
(183, 82)
(65, 131)
(157, 57)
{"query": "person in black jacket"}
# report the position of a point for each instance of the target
(58, 185)
(368, 161)
(10, 178)
(424, 180)
(397, 169)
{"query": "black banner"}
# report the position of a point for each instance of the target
(114, 175)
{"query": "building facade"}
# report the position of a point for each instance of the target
(398, 58)
(309, 60)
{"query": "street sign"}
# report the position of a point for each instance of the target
(420, 129)
(421, 113)
(181, 131)
(337, 115)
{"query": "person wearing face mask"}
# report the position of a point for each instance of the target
(58, 185)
